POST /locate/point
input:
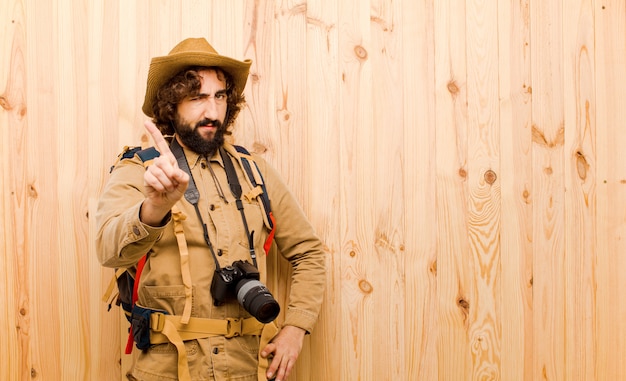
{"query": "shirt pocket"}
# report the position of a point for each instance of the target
(229, 228)
(168, 298)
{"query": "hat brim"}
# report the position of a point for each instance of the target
(162, 69)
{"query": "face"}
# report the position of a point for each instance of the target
(200, 118)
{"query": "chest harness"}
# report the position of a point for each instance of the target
(148, 326)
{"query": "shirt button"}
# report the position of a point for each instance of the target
(203, 165)
(216, 351)
(211, 207)
(136, 230)
(219, 252)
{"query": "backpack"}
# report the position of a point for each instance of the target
(122, 289)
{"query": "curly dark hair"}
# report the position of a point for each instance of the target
(187, 83)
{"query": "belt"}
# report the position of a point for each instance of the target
(199, 328)
(169, 329)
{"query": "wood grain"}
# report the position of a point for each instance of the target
(484, 209)
(610, 69)
(462, 162)
(548, 186)
(580, 199)
(415, 24)
(454, 279)
(516, 188)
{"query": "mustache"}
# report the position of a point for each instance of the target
(206, 122)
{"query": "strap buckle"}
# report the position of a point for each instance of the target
(233, 327)
(157, 321)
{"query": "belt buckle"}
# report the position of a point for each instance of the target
(157, 321)
(233, 327)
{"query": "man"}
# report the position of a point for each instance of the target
(201, 328)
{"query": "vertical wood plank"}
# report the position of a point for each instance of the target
(41, 231)
(323, 177)
(610, 65)
(580, 197)
(548, 185)
(484, 211)
(71, 176)
(454, 280)
(356, 159)
(104, 355)
(419, 129)
(516, 190)
(14, 280)
(386, 172)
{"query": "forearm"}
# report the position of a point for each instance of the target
(123, 239)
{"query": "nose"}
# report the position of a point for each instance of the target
(211, 109)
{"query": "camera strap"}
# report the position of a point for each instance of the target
(235, 188)
(192, 194)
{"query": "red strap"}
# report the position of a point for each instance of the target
(140, 264)
(270, 237)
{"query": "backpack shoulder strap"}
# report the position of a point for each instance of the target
(146, 155)
(259, 191)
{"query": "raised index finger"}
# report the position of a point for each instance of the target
(159, 140)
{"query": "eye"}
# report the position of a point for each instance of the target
(220, 96)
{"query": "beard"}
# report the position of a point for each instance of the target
(191, 138)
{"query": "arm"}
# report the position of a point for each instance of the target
(135, 205)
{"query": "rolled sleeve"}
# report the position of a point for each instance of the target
(122, 238)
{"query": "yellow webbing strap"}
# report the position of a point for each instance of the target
(169, 330)
(269, 331)
(109, 295)
(178, 218)
(199, 328)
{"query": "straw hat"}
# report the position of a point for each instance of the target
(191, 52)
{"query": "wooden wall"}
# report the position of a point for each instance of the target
(463, 161)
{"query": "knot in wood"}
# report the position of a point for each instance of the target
(490, 177)
(4, 103)
(32, 191)
(365, 286)
(259, 147)
(433, 267)
(360, 52)
(464, 304)
(452, 87)
(581, 165)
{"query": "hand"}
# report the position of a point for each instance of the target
(286, 348)
(164, 181)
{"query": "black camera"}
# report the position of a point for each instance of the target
(241, 280)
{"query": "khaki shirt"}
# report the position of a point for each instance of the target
(122, 239)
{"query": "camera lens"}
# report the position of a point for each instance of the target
(257, 300)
